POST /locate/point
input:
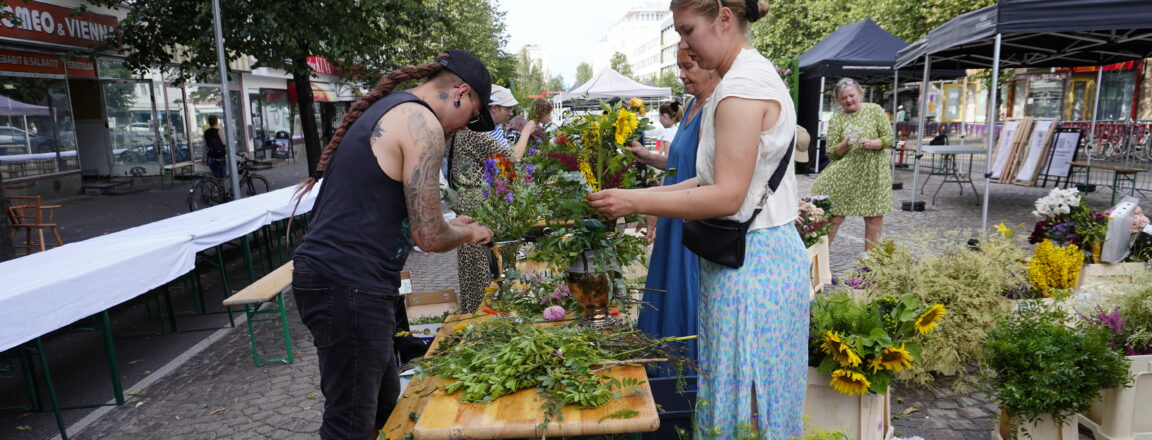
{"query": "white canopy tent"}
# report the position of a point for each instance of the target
(609, 83)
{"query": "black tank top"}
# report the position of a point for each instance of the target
(358, 232)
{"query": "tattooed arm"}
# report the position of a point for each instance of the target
(421, 145)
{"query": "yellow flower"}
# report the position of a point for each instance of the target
(849, 382)
(586, 170)
(834, 345)
(636, 104)
(892, 358)
(1055, 267)
(626, 123)
(460, 326)
(1005, 231)
(927, 321)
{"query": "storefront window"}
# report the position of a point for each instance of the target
(1044, 98)
(1116, 90)
(37, 130)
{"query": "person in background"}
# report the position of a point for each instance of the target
(379, 197)
(901, 115)
(539, 117)
(752, 320)
(670, 114)
(672, 268)
(214, 149)
(467, 152)
(859, 179)
(504, 108)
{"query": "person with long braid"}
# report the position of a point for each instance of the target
(380, 195)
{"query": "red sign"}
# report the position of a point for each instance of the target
(54, 24)
(1126, 65)
(31, 62)
(320, 65)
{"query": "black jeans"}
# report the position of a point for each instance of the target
(352, 330)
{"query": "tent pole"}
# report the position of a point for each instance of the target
(963, 119)
(924, 89)
(895, 123)
(994, 92)
(1095, 107)
(820, 125)
(226, 97)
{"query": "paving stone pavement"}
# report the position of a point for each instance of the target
(218, 393)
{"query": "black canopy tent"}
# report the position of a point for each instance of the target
(861, 50)
(1030, 33)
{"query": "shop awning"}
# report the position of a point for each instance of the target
(12, 107)
(325, 92)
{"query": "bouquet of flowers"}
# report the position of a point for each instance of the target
(813, 221)
(512, 200)
(863, 344)
(537, 297)
(1067, 220)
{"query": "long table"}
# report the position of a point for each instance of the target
(439, 416)
(46, 291)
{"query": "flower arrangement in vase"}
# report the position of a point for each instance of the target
(813, 221)
(863, 344)
(1067, 220)
(512, 200)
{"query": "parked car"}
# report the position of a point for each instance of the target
(14, 141)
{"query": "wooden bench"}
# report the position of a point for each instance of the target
(266, 289)
(1120, 175)
(172, 170)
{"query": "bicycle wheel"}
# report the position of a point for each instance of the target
(255, 184)
(205, 193)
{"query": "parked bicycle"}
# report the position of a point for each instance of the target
(210, 190)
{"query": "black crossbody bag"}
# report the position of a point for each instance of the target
(722, 241)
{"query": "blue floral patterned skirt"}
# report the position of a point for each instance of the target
(753, 327)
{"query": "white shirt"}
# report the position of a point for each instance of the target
(668, 134)
(754, 77)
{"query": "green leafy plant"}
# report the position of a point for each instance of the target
(1127, 318)
(862, 344)
(536, 297)
(1044, 367)
(970, 281)
(511, 199)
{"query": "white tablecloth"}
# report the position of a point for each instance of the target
(45, 291)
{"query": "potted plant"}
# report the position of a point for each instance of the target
(1066, 219)
(813, 226)
(1127, 320)
(1046, 372)
(857, 346)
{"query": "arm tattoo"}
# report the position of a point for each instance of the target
(377, 131)
(422, 187)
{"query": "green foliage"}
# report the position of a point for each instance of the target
(486, 360)
(583, 72)
(532, 293)
(943, 269)
(794, 26)
(531, 79)
(1044, 367)
(619, 63)
(1135, 306)
(668, 78)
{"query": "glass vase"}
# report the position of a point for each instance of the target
(592, 287)
(505, 253)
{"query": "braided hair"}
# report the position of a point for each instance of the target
(383, 88)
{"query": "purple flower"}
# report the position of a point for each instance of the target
(560, 352)
(488, 178)
(490, 165)
(529, 168)
(554, 313)
(560, 292)
(509, 198)
(532, 151)
(485, 193)
(501, 187)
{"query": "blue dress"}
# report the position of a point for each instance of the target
(673, 267)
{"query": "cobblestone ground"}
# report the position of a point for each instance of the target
(219, 393)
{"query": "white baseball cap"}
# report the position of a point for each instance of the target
(501, 96)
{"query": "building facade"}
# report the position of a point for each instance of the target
(637, 36)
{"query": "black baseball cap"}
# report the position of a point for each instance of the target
(473, 72)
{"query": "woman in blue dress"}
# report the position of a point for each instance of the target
(673, 268)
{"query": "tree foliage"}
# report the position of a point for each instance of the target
(619, 63)
(583, 72)
(364, 38)
(794, 26)
(669, 78)
(531, 79)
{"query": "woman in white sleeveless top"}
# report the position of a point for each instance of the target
(753, 321)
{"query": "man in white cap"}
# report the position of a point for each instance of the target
(502, 105)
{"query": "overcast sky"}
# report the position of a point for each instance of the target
(567, 29)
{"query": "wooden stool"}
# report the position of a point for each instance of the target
(28, 214)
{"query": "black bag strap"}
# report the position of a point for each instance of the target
(777, 176)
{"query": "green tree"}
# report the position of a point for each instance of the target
(530, 77)
(583, 73)
(362, 37)
(477, 27)
(619, 63)
(555, 83)
(669, 78)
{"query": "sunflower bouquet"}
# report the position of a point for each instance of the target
(862, 345)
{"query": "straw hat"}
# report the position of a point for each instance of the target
(802, 141)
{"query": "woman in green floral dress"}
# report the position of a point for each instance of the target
(859, 179)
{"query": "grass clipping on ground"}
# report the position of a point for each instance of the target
(970, 280)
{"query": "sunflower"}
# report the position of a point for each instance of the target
(626, 123)
(926, 322)
(835, 346)
(849, 382)
(892, 358)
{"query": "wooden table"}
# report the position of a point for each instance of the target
(1121, 176)
(444, 417)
